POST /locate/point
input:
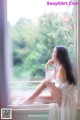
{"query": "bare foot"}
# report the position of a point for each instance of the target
(26, 102)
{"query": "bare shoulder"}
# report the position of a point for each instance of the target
(62, 69)
(62, 73)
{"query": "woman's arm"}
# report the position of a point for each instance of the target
(50, 62)
(49, 73)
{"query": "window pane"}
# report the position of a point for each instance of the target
(35, 29)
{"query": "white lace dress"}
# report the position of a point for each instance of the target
(67, 111)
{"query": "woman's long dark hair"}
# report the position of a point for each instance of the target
(63, 57)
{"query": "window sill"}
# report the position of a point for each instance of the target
(35, 106)
(32, 107)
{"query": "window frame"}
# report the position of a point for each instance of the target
(78, 52)
(3, 61)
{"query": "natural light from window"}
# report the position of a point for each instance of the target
(35, 29)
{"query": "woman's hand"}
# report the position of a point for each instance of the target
(50, 62)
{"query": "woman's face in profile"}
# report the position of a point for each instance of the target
(54, 54)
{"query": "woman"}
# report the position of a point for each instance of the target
(60, 82)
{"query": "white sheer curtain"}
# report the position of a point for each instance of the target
(68, 108)
(3, 55)
(78, 52)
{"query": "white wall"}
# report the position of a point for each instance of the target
(78, 51)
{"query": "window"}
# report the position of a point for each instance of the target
(35, 28)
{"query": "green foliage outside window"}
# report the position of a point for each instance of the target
(33, 43)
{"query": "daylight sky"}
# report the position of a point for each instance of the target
(30, 9)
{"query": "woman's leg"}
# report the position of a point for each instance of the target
(44, 99)
(38, 90)
(56, 95)
(55, 92)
